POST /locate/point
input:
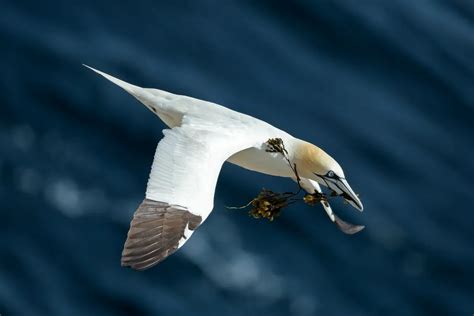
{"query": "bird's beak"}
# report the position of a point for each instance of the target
(342, 187)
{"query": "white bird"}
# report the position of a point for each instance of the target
(201, 137)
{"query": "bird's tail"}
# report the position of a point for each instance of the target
(130, 88)
(153, 99)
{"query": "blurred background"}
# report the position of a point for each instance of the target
(386, 87)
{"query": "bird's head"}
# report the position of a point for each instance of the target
(314, 163)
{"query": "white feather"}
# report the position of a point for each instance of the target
(202, 137)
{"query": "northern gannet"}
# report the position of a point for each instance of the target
(201, 137)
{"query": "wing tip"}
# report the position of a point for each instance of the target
(160, 233)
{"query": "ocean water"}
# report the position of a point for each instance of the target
(386, 87)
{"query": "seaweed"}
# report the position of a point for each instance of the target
(269, 204)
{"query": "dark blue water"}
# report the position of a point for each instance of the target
(386, 87)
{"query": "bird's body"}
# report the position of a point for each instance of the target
(255, 157)
(201, 137)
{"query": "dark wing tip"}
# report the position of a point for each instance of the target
(155, 232)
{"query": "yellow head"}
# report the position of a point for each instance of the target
(314, 163)
(311, 160)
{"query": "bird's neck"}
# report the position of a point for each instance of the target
(259, 160)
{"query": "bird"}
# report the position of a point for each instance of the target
(201, 136)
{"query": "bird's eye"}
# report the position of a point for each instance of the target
(330, 174)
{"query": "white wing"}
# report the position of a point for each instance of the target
(180, 191)
(188, 161)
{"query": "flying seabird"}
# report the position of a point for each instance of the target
(201, 137)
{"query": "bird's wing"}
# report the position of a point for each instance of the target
(180, 190)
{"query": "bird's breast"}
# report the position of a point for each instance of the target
(259, 160)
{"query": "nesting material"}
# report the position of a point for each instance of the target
(269, 204)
